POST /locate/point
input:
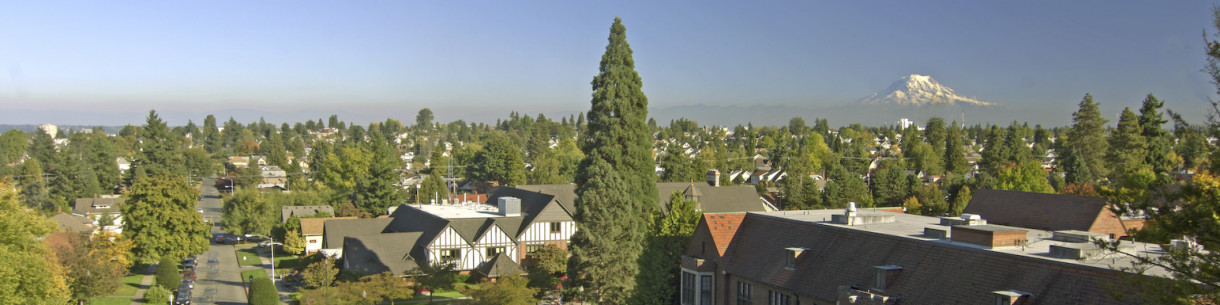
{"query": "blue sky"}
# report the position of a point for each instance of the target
(476, 59)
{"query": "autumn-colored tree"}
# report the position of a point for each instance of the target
(31, 273)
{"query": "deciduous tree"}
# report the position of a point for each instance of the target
(160, 219)
(506, 290)
(31, 273)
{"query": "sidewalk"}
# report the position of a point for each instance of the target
(265, 258)
(145, 283)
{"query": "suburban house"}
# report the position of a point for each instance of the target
(73, 223)
(480, 238)
(312, 229)
(302, 211)
(1050, 212)
(239, 161)
(872, 257)
(273, 177)
(97, 208)
(124, 165)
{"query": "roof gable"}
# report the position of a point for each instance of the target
(314, 226)
(334, 231)
(380, 252)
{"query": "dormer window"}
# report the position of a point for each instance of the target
(793, 253)
(1010, 297)
(884, 276)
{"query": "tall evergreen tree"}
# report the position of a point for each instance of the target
(375, 190)
(935, 134)
(1087, 136)
(1128, 148)
(1159, 142)
(615, 183)
(158, 150)
(955, 159)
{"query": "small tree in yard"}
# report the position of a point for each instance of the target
(320, 274)
(167, 273)
(294, 243)
(506, 290)
(436, 276)
(545, 266)
(262, 292)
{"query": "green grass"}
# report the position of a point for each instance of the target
(110, 301)
(257, 273)
(248, 257)
(130, 284)
(284, 264)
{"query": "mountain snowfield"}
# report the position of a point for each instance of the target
(919, 90)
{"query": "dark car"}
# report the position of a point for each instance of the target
(188, 264)
(189, 284)
(184, 297)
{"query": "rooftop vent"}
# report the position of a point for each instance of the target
(1074, 236)
(885, 276)
(852, 218)
(965, 219)
(509, 206)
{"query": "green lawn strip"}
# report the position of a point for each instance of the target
(248, 257)
(110, 301)
(439, 296)
(285, 264)
(130, 284)
(257, 273)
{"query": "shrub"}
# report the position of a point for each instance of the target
(157, 295)
(262, 292)
(167, 273)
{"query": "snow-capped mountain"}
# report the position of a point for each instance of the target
(919, 90)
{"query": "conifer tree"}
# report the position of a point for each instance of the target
(1159, 143)
(955, 159)
(375, 189)
(1087, 136)
(935, 134)
(1128, 149)
(615, 183)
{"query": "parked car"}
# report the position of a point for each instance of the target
(190, 284)
(189, 275)
(183, 298)
(188, 264)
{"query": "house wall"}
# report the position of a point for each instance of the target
(449, 239)
(313, 243)
(539, 233)
(494, 237)
(988, 238)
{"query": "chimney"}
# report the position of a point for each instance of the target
(509, 206)
(713, 177)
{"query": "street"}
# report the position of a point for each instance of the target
(219, 273)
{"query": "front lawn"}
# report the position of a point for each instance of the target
(110, 301)
(257, 273)
(248, 257)
(130, 284)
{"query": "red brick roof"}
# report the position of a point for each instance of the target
(722, 228)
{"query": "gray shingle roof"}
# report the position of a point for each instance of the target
(335, 230)
(934, 272)
(92, 206)
(73, 223)
(304, 210)
(499, 265)
(379, 252)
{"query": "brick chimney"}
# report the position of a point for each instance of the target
(713, 177)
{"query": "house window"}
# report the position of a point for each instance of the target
(556, 227)
(313, 241)
(705, 290)
(688, 288)
(493, 251)
(776, 298)
(532, 248)
(744, 293)
(449, 255)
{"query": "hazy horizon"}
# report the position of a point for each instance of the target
(87, 63)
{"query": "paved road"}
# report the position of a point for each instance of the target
(219, 274)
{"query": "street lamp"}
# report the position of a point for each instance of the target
(271, 245)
